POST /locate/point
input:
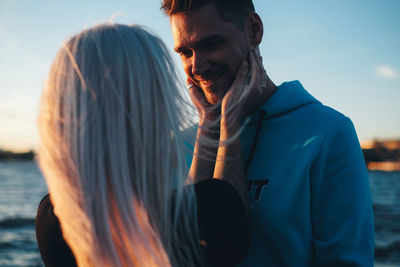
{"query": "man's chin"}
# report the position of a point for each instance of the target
(214, 92)
(214, 98)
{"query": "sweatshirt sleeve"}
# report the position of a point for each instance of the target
(341, 204)
(223, 222)
(52, 246)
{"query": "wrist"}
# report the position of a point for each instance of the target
(228, 129)
(209, 126)
(210, 114)
(208, 131)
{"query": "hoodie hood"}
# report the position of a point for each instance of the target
(288, 97)
(308, 188)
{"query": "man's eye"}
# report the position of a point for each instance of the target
(186, 53)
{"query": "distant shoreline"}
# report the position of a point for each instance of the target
(382, 155)
(9, 155)
(378, 155)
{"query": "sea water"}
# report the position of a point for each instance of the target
(22, 187)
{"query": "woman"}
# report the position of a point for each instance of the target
(111, 153)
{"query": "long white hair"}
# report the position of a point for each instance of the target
(109, 122)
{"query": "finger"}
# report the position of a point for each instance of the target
(196, 94)
(263, 73)
(235, 91)
(232, 104)
(258, 56)
(254, 82)
(190, 80)
(240, 77)
(257, 52)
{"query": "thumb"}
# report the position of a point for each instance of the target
(196, 95)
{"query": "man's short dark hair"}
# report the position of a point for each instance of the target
(234, 11)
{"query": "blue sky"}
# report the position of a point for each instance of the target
(345, 53)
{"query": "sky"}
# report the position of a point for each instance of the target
(346, 53)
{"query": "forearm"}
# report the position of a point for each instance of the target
(205, 151)
(229, 163)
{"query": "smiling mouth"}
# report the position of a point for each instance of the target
(208, 83)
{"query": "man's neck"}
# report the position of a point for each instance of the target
(268, 91)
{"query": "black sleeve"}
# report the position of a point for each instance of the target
(52, 246)
(222, 219)
(223, 222)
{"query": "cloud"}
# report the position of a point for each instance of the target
(386, 72)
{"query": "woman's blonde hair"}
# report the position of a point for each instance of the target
(109, 122)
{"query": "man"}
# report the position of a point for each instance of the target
(309, 196)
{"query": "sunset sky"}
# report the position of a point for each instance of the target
(345, 53)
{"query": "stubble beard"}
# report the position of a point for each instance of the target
(215, 95)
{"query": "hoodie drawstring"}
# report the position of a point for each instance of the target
(254, 145)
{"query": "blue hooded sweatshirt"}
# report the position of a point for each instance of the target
(310, 201)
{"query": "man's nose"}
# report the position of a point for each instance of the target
(199, 64)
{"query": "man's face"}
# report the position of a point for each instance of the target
(211, 49)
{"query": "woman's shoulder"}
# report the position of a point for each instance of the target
(52, 246)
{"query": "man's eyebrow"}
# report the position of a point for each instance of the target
(202, 42)
(179, 49)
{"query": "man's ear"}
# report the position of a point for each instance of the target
(256, 29)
